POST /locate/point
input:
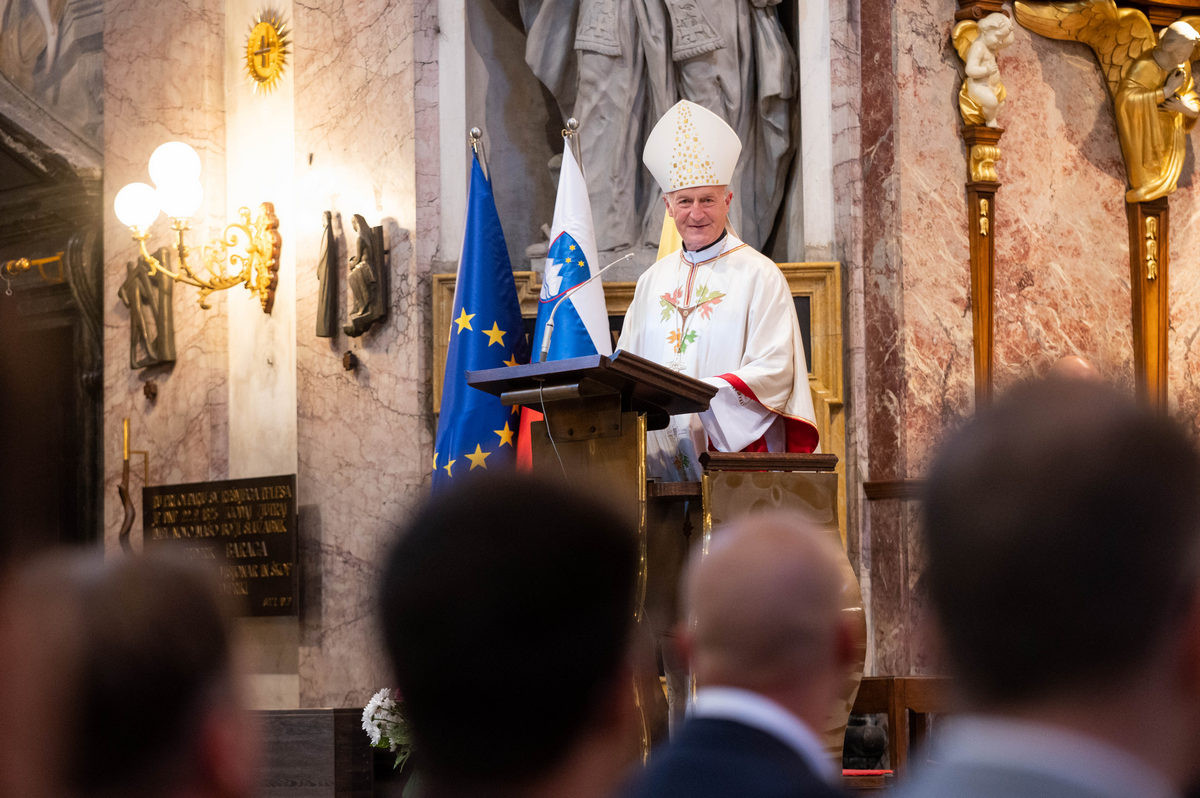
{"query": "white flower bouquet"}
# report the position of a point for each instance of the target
(384, 723)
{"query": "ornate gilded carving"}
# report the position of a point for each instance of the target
(1148, 77)
(267, 50)
(983, 163)
(18, 265)
(1151, 248)
(251, 246)
(982, 93)
(1149, 274)
(984, 145)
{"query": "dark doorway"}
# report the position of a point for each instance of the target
(50, 331)
(39, 441)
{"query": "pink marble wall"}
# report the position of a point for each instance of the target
(1062, 256)
(1062, 264)
(880, 388)
(362, 435)
(150, 98)
(1183, 343)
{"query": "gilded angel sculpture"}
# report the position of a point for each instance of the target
(1149, 78)
(977, 43)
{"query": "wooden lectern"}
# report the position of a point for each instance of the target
(597, 410)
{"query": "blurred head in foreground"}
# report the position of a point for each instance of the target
(770, 648)
(1074, 367)
(117, 680)
(1062, 530)
(765, 606)
(507, 606)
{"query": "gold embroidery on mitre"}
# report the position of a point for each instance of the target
(691, 164)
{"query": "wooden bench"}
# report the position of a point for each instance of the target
(907, 701)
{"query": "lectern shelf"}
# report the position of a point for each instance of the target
(644, 386)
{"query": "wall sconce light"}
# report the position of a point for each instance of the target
(247, 253)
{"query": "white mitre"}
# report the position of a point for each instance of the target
(691, 147)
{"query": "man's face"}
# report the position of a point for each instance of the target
(699, 213)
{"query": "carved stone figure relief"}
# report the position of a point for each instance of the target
(367, 280)
(151, 316)
(327, 270)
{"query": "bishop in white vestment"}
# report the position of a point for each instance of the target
(716, 310)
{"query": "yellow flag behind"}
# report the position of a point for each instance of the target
(669, 241)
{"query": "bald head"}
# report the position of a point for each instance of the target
(765, 604)
(1074, 367)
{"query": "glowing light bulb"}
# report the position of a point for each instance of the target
(180, 200)
(174, 163)
(136, 206)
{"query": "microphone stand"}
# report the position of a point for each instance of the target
(550, 321)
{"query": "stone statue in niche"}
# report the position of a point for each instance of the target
(151, 317)
(1149, 79)
(982, 93)
(540, 249)
(367, 280)
(23, 38)
(327, 269)
(619, 72)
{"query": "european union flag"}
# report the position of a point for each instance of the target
(475, 430)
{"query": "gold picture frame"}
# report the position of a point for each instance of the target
(817, 284)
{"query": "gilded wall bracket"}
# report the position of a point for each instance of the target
(983, 30)
(1148, 263)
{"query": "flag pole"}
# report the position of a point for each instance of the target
(571, 136)
(475, 136)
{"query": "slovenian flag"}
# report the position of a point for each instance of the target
(581, 322)
(474, 430)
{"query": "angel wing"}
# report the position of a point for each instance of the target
(1116, 35)
(963, 35)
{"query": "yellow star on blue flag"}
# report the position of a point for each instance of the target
(469, 418)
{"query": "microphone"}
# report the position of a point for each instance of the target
(550, 321)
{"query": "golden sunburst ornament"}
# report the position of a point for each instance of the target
(267, 49)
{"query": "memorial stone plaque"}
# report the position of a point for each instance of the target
(244, 527)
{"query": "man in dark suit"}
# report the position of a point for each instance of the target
(769, 652)
(1063, 535)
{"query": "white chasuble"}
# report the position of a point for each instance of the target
(724, 315)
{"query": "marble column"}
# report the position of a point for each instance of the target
(259, 156)
(364, 435)
(812, 183)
